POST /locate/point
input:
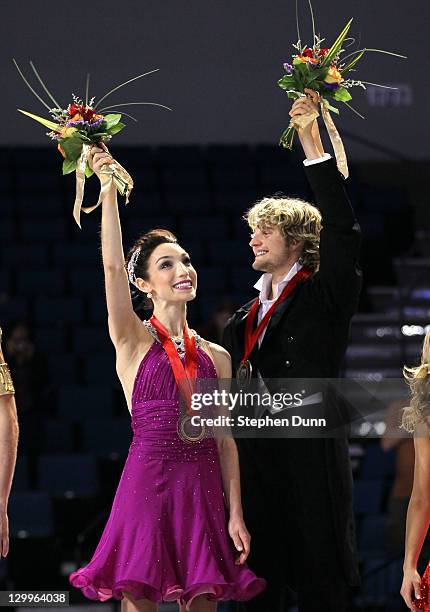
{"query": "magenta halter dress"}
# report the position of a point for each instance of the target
(166, 538)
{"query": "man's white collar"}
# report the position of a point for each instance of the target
(264, 282)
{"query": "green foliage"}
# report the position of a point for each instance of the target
(111, 119)
(342, 95)
(116, 128)
(72, 147)
(69, 166)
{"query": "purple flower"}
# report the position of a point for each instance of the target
(288, 68)
(332, 86)
(86, 125)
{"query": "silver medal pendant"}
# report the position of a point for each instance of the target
(244, 374)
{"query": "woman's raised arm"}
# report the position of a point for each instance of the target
(125, 327)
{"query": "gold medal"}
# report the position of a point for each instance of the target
(244, 374)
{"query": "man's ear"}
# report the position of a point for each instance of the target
(297, 245)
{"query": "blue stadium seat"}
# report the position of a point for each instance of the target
(371, 539)
(7, 231)
(242, 231)
(79, 402)
(234, 177)
(153, 221)
(382, 199)
(107, 436)
(48, 230)
(12, 309)
(368, 496)
(25, 256)
(70, 475)
(229, 155)
(198, 201)
(229, 252)
(274, 155)
(87, 280)
(31, 515)
(62, 368)
(174, 156)
(7, 205)
(377, 463)
(98, 314)
(77, 255)
(100, 366)
(41, 282)
(6, 183)
(146, 204)
(235, 202)
(206, 227)
(54, 310)
(32, 183)
(206, 305)
(145, 176)
(211, 280)
(4, 281)
(243, 296)
(50, 340)
(45, 207)
(21, 480)
(196, 249)
(289, 181)
(91, 339)
(184, 179)
(58, 436)
(380, 582)
(244, 278)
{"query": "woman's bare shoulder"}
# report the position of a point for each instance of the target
(220, 357)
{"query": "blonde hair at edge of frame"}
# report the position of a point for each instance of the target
(418, 379)
(296, 219)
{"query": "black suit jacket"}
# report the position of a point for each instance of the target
(307, 337)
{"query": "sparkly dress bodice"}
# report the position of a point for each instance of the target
(156, 405)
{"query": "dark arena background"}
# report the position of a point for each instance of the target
(196, 171)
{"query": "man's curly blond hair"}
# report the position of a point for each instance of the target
(295, 218)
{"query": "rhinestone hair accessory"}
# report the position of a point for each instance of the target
(132, 265)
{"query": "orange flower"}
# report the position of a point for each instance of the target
(333, 75)
(60, 148)
(307, 60)
(66, 132)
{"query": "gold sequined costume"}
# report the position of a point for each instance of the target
(6, 384)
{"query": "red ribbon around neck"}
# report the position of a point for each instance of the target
(251, 336)
(185, 376)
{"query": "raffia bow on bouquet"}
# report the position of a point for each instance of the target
(79, 127)
(323, 69)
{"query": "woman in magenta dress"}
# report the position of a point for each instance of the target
(176, 530)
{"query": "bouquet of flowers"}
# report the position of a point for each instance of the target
(326, 71)
(77, 128)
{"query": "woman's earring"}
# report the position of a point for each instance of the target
(149, 295)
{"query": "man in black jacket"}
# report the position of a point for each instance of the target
(297, 492)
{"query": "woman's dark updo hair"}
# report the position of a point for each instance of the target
(147, 244)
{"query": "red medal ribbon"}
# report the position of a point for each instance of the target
(251, 336)
(185, 376)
